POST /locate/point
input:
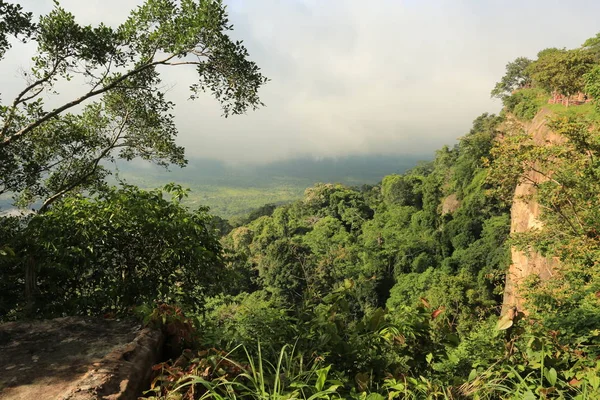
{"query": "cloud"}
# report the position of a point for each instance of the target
(347, 77)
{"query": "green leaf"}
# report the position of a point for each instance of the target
(551, 376)
(7, 251)
(429, 358)
(505, 322)
(472, 375)
(529, 395)
(322, 377)
(377, 318)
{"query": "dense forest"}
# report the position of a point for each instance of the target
(396, 290)
(233, 191)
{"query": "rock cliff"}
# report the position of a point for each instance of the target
(525, 214)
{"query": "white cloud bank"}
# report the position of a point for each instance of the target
(355, 76)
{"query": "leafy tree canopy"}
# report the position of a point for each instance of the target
(593, 45)
(14, 22)
(116, 249)
(561, 71)
(47, 151)
(516, 77)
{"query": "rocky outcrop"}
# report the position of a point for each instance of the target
(525, 213)
(76, 359)
(124, 373)
(450, 204)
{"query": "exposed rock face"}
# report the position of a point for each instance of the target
(124, 373)
(525, 214)
(450, 204)
(76, 359)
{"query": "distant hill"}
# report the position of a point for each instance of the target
(234, 190)
(362, 169)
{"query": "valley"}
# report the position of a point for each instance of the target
(233, 191)
(350, 259)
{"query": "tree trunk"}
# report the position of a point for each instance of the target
(30, 286)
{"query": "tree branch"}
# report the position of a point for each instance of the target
(93, 169)
(88, 95)
(184, 63)
(20, 99)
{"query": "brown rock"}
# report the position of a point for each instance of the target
(450, 204)
(76, 358)
(525, 214)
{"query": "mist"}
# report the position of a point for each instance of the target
(354, 77)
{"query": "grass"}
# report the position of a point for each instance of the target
(256, 379)
(228, 202)
(588, 110)
(230, 198)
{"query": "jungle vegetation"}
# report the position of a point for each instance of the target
(384, 291)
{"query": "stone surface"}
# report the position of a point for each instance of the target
(76, 358)
(525, 214)
(450, 204)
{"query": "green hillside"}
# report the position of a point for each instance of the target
(234, 191)
(475, 275)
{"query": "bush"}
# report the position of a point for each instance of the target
(524, 104)
(119, 249)
(248, 320)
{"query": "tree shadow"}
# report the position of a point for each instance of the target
(40, 357)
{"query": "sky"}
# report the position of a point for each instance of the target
(353, 76)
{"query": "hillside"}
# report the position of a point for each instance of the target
(474, 275)
(236, 190)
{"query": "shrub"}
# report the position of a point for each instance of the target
(118, 249)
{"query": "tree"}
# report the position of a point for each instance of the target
(516, 77)
(402, 190)
(104, 253)
(13, 22)
(592, 85)
(562, 71)
(48, 152)
(474, 148)
(593, 45)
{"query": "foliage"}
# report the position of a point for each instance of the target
(388, 291)
(556, 355)
(441, 274)
(14, 22)
(402, 191)
(214, 375)
(561, 71)
(525, 103)
(592, 84)
(569, 195)
(593, 45)
(246, 319)
(46, 153)
(118, 249)
(516, 77)
(327, 265)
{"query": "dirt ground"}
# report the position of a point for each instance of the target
(47, 359)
